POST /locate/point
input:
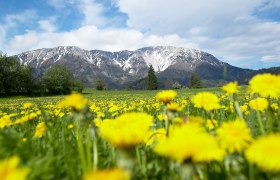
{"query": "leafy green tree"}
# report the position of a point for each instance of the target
(152, 82)
(9, 75)
(99, 84)
(25, 80)
(78, 86)
(195, 81)
(58, 80)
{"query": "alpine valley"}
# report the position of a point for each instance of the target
(128, 69)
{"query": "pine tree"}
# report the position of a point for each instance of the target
(152, 83)
(195, 81)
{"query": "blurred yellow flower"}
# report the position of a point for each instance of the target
(173, 107)
(107, 174)
(190, 142)
(75, 101)
(244, 107)
(259, 104)
(206, 100)
(9, 169)
(264, 152)
(211, 124)
(155, 136)
(178, 120)
(166, 96)
(234, 136)
(266, 85)
(97, 122)
(274, 106)
(161, 117)
(5, 121)
(127, 130)
(70, 126)
(230, 88)
(40, 129)
(27, 105)
(196, 119)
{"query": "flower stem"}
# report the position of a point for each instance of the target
(260, 123)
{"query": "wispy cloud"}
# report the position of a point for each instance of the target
(48, 24)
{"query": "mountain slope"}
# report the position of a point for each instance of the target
(127, 68)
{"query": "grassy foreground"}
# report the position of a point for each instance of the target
(184, 134)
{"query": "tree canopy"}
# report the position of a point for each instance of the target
(14, 78)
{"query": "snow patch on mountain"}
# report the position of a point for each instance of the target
(160, 57)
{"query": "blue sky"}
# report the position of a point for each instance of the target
(244, 33)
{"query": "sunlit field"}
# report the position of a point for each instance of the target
(230, 132)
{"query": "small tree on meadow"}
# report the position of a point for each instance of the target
(152, 82)
(99, 85)
(195, 81)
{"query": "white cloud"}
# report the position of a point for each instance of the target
(179, 16)
(92, 12)
(26, 16)
(90, 37)
(273, 58)
(48, 24)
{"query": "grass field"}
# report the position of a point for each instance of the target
(184, 134)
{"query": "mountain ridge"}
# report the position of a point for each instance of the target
(121, 68)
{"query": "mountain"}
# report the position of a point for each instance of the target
(129, 68)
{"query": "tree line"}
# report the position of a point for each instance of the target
(18, 79)
(152, 82)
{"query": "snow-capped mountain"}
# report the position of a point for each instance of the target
(125, 67)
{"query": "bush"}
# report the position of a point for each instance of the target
(58, 80)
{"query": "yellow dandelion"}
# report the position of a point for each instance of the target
(155, 136)
(244, 107)
(266, 85)
(166, 96)
(75, 101)
(211, 124)
(97, 122)
(70, 126)
(206, 100)
(161, 117)
(5, 121)
(40, 129)
(178, 120)
(234, 136)
(274, 106)
(230, 88)
(196, 119)
(27, 105)
(127, 130)
(174, 107)
(264, 152)
(9, 169)
(190, 142)
(259, 104)
(107, 174)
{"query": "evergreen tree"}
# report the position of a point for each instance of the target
(195, 81)
(152, 82)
